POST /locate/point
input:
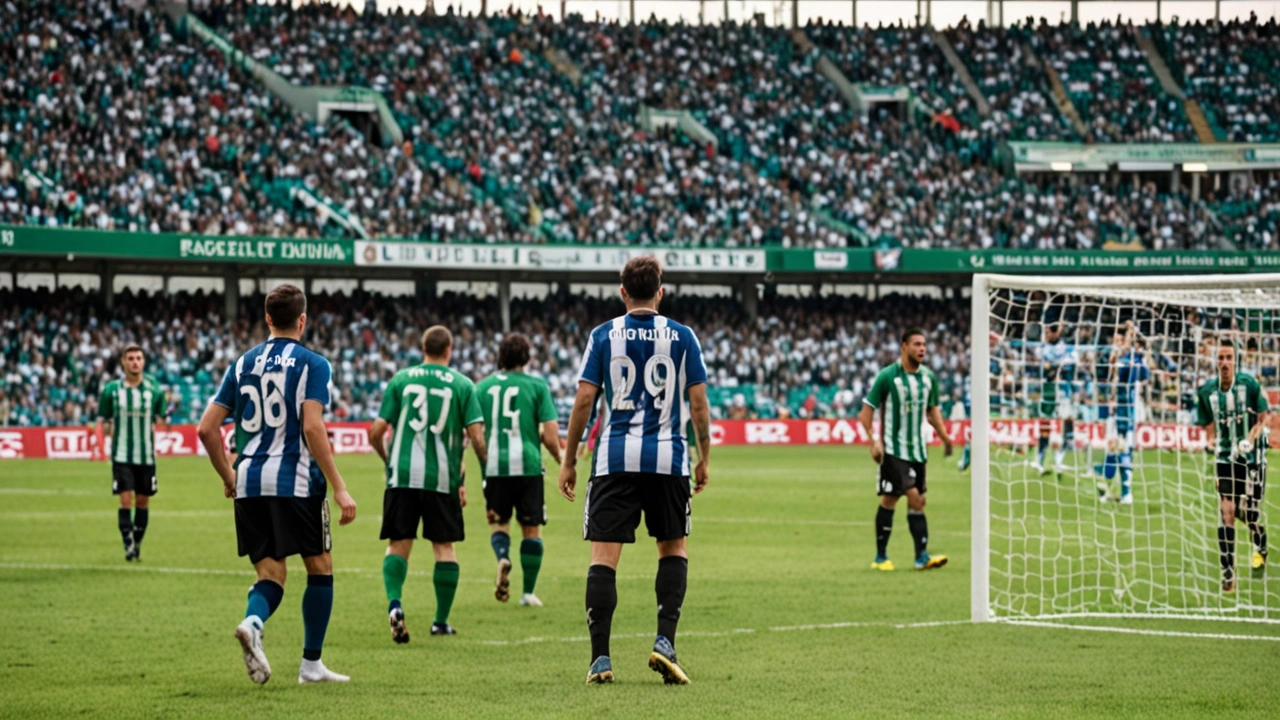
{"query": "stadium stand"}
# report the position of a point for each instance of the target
(806, 357)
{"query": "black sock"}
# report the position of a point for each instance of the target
(1227, 550)
(602, 598)
(126, 526)
(884, 526)
(1042, 445)
(140, 516)
(919, 530)
(1257, 533)
(673, 577)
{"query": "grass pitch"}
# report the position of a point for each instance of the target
(783, 616)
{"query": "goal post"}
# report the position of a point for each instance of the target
(1092, 491)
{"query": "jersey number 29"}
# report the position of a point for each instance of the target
(659, 382)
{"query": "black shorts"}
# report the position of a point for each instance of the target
(440, 514)
(139, 479)
(277, 527)
(522, 494)
(611, 511)
(1242, 480)
(897, 476)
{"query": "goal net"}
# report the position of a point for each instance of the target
(1094, 489)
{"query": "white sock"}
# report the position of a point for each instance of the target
(253, 621)
(1059, 456)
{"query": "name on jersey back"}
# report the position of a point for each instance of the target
(649, 334)
(418, 372)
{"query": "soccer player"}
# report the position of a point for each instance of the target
(906, 395)
(132, 409)
(518, 412)
(428, 409)
(650, 371)
(1128, 371)
(1233, 409)
(1057, 362)
(277, 393)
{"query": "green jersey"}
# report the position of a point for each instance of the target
(132, 412)
(515, 405)
(903, 399)
(1233, 412)
(429, 408)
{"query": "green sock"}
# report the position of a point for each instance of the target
(445, 578)
(394, 570)
(530, 562)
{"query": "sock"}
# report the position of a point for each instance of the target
(530, 562)
(964, 458)
(1227, 550)
(126, 526)
(140, 516)
(1257, 533)
(1126, 474)
(317, 605)
(394, 571)
(1041, 446)
(1059, 456)
(919, 531)
(673, 577)
(884, 526)
(501, 543)
(445, 578)
(602, 598)
(264, 598)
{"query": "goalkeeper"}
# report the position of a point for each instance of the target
(1233, 408)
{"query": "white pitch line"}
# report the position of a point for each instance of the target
(47, 491)
(730, 633)
(248, 572)
(776, 521)
(1142, 631)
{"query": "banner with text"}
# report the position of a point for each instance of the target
(580, 258)
(353, 438)
(1049, 262)
(24, 240)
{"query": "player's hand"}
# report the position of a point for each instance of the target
(877, 451)
(947, 447)
(229, 486)
(348, 506)
(701, 476)
(462, 495)
(568, 481)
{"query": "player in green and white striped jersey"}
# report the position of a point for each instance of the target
(131, 409)
(431, 411)
(518, 413)
(1233, 409)
(906, 394)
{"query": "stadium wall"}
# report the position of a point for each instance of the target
(71, 443)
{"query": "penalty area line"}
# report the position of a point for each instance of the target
(1141, 631)
(731, 633)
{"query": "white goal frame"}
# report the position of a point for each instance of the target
(979, 368)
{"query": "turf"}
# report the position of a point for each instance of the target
(783, 615)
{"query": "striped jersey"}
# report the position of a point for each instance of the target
(1131, 370)
(644, 364)
(903, 399)
(429, 408)
(1233, 412)
(265, 391)
(133, 413)
(514, 405)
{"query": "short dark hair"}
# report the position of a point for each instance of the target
(436, 340)
(513, 352)
(642, 277)
(131, 349)
(910, 333)
(285, 304)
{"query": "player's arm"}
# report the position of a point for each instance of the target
(867, 415)
(934, 418)
(317, 437)
(586, 397)
(549, 423)
(378, 438)
(475, 433)
(1259, 409)
(700, 410)
(210, 434)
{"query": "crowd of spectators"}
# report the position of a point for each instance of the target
(801, 357)
(525, 129)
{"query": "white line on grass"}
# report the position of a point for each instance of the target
(247, 572)
(46, 491)
(1142, 631)
(776, 521)
(729, 633)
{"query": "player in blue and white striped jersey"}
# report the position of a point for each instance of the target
(277, 393)
(650, 371)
